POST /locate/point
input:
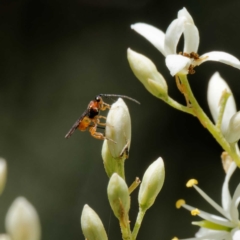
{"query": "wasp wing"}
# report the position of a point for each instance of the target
(76, 124)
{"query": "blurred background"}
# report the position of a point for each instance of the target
(55, 57)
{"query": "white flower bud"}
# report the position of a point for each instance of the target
(22, 221)
(145, 70)
(118, 128)
(151, 185)
(118, 197)
(3, 174)
(110, 163)
(233, 132)
(91, 224)
(216, 88)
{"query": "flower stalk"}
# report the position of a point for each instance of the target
(206, 122)
(138, 223)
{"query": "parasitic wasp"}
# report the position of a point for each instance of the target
(90, 119)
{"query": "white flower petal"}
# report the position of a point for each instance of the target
(235, 234)
(177, 64)
(173, 34)
(222, 57)
(155, 36)
(226, 197)
(204, 233)
(191, 38)
(184, 13)
(234, 205)
(216, 86)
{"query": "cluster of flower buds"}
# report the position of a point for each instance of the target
(114, 152)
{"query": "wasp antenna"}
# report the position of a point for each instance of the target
(122, 96)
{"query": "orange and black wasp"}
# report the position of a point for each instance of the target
(90, 119)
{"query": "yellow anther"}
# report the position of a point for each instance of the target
(191, 182)
(179, 203)
(175, 238)
(195, 212)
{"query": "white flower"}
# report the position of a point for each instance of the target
(214, 227)
(167, 45)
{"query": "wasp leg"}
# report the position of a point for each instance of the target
(95, 134)
(100, 123)
(98, 135)
(102, 117)
(105, 106)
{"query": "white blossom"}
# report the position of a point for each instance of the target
(167, 43)
(213, 227)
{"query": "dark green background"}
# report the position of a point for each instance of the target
(55, 57)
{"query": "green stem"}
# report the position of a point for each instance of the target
(178, 106)
(138, 223)
(126, 231)
(120, 168)
(205, 121)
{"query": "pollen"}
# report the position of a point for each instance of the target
(195, 212)
(191, 182)
(175, 238)
(179, 203)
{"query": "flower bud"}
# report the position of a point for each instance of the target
(151, 184)
(110, 164)
(91, 224)
(4, 237)
(145, 70)
(118, 128)
(118, 197)
(3, 174)
(22, 221)
(233, 132)
(216, 88)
